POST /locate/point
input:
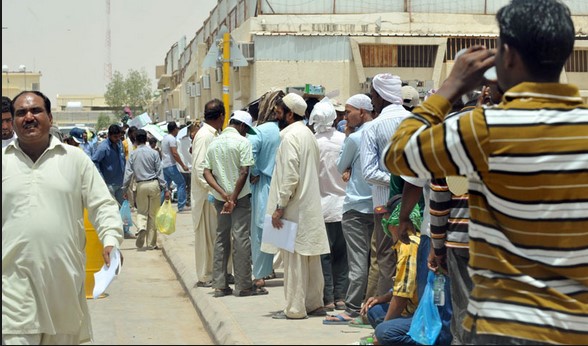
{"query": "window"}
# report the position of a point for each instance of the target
(388, 55)
(578, 61)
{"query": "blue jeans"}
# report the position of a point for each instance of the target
(117, 192)
(170, 174)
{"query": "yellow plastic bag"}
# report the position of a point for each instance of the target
(165, 221)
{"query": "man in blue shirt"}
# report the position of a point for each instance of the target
(109, 158)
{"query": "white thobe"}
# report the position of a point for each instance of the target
(295, 185)
(44, 238)
(204, 216)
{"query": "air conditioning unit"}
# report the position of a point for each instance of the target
(195, 90)
(248, 50)
(218, 74)
(206, 81)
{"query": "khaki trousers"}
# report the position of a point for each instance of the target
(205, 237)
(148, 198)
(303, 283)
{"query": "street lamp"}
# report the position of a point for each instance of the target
(23, 69)
(5, 70)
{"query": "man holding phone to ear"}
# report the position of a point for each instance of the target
(526, 160)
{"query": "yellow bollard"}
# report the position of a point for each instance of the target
(94, 260)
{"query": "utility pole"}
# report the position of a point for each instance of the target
(224, 52)
(226, 73)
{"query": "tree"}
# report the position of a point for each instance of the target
(103, 122)
(133, 91)
(116, 96)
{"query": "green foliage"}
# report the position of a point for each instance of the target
(103, 122)
(133, 91)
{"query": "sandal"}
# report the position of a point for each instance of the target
(360, 322)
(222, 292)
(319, 312)
(271, 276)
(330, 307)
(259, 283)
(340, 305)
(254, 291)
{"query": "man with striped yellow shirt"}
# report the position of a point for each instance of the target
(526, 160)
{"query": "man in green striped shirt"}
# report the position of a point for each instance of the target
(226, 169)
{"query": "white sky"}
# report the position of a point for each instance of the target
(66, 39)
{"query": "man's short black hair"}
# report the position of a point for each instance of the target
(214, 109)
(5, 104)
(171, 126)
(541, 31)
(141, 136)
(114, 129)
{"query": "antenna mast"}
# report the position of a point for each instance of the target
(107, 50)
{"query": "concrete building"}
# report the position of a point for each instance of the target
(83, 110)
(338, 44)
(17, 79)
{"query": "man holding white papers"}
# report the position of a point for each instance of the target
(46, 185)
(295, 196)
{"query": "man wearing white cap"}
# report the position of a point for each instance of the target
(226, 169)
(295, 196)
(330, 142)
(410, 97)
(357, 220)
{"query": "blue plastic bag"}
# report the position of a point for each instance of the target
(125, 214)
(426, 321)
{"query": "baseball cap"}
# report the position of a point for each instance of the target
(246, 119)
(296, 104)
(410, 96)
(76, 134)
(339, 107)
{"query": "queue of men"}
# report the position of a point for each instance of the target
(394, 215)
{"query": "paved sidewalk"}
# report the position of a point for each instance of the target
(233, 320)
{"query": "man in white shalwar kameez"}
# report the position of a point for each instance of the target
(295, 196)
(204, 215)
(46, 185)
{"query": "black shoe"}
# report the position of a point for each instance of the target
(230, 279)
(140, 238)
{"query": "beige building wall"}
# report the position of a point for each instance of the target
(14, 82)
(349, 76)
